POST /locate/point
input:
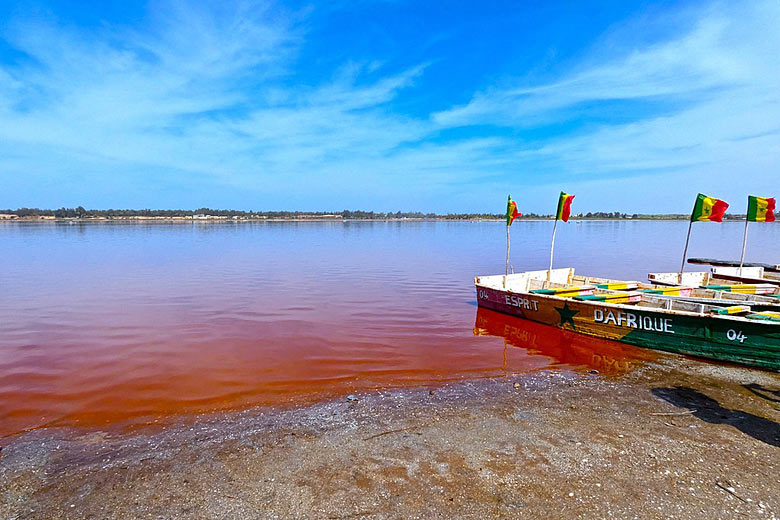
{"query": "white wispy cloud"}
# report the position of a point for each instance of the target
(694, 64)
(205, 103)
(206, 91)
(705, 103)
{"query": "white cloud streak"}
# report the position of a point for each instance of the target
(212, 95)
(711, 106)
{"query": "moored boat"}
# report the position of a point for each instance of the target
(764, 281)
(748, 275)
(704, 322)
(745, 272)
(770, 268)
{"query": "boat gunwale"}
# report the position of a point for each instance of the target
(622, 306)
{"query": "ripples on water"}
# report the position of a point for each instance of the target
(131, 323)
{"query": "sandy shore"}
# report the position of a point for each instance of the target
(677, 440)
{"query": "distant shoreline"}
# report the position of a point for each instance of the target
(81, 214)
(210, 219)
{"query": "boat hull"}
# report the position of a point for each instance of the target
(746, 279)
(755, 344)
(772, 268)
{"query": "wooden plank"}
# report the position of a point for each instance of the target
(734, 263)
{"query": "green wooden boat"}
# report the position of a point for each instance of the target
(709, 323)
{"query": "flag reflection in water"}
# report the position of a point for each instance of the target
(578, 351)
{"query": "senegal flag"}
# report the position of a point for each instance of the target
(708, 209)
(564, 207)
(760, 209)
(511, 211)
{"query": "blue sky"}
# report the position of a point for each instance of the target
(388, 105)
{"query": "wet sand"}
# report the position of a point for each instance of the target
(677, 438)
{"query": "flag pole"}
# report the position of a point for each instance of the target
(685, 251)
(506, 271)
(744, 246)
(552, 247)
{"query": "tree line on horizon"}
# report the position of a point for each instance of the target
(81, 212)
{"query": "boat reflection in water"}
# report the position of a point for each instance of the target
(565, 347)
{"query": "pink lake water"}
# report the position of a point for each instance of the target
(106, 324)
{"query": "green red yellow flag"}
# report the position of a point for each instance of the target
(708, 209)
(760, 209)
(511, 211)
(564, 207)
